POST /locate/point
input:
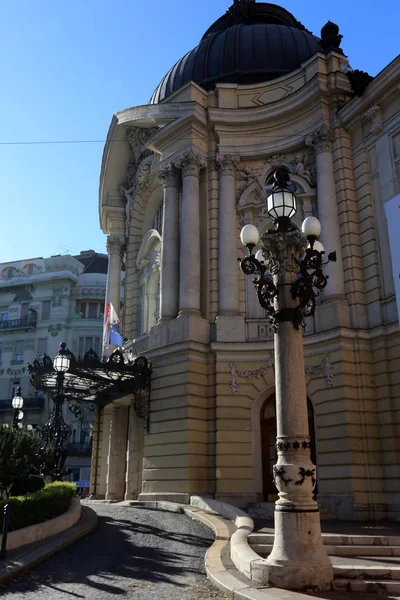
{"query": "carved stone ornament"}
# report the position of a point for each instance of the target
(321, 139)
(282, 251)
(54, 330)
(169, 175)
(137, 138)
(190, 163)
(115, 244)
(325, 368)
(226, 163)
(375, 116)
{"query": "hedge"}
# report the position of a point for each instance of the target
(51, 501)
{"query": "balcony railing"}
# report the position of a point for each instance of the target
(35, 403)
(23, 323)
(76, 449)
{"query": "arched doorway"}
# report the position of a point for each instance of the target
(268, 439)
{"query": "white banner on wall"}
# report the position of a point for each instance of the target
(392, 209)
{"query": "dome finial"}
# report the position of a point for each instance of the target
(331, 38)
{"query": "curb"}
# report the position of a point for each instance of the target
(26, 558)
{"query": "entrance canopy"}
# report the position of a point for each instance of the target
(92, 379)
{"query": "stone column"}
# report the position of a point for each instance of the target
(228, 292)
(298, 559)
(169, 276)
(189, 289)
(117, 453)
(321, 141)
(134, 455)
(115, 246)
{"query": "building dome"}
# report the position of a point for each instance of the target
(253, 42)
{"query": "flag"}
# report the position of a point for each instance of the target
(111, 332)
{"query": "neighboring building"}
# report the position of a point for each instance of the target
(43, 302)
(259, 92)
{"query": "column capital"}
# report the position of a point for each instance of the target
(115, 245)
(321, 139)
(190, 163)
(169, 175)
(226, 163)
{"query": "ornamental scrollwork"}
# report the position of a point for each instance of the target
(282, 250)
(279, 473)
(304, 473)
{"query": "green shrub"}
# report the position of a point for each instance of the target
(51, 501)
(27, 485)
(20, 454)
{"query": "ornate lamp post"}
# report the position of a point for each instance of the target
(56, 432)
(17, 404)
(288, 277)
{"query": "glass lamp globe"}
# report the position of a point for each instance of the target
(318, 246)
(311, 227)
(62, 360)
(18, 401)
(249, 235)
(259, 256)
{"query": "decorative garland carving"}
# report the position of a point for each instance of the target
(325, 368)
(234, 372)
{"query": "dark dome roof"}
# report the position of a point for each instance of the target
(250, 44)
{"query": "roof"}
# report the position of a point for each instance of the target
(251, 43)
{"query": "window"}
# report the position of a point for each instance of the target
(46, 305)
(9, 272)
(42, 347)
(93, 310)
(85, 343)
(24, 310)
(30, 269)
(4, 314)
(158, 217)
(19, 350)
(90, 310)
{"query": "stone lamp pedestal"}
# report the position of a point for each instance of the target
(298, 560)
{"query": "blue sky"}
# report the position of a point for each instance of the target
(68, 65)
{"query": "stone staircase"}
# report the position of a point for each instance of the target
(361, 563)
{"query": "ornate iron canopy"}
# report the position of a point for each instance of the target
(92, 379)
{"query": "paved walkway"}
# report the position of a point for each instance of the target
(134, 553)
(333, 526)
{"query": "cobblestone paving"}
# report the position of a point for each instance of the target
(133, 553)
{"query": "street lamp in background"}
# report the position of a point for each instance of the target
(288, 277)
(56, 432)
(17, 404)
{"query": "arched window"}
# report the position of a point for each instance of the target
(148, 264)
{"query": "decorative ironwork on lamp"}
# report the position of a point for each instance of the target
(17, 404)
(281, 204)
(89, 379)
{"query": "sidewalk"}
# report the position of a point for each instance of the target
(23, 559)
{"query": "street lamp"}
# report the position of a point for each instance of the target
(17, 404)
(288, 279)
(56, 432)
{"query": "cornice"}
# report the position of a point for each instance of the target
(376, 93)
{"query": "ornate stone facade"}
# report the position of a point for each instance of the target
(213, 385)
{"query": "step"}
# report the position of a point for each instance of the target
(335, 540)
(366, 572)
(367, 585)
(373, 551)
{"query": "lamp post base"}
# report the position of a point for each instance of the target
(298, 560)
